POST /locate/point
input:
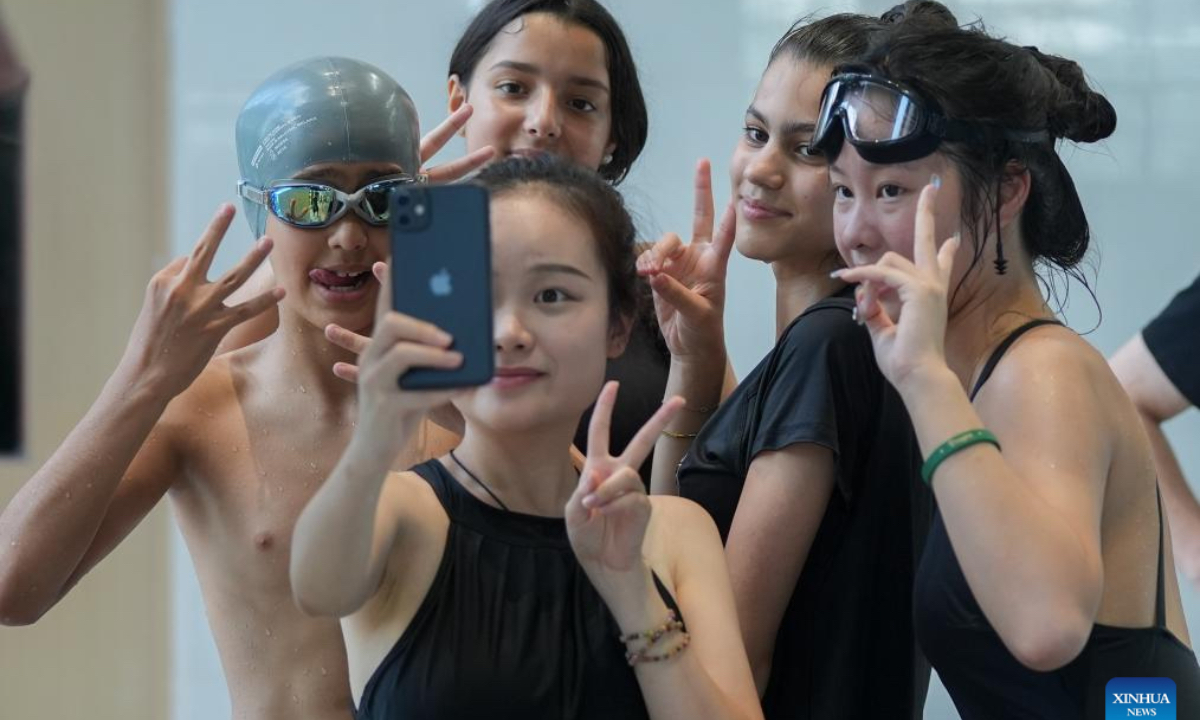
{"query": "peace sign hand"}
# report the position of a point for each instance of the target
(437, 138)
(184, 316)
(609, 511)
(689, 280)
(911, 337)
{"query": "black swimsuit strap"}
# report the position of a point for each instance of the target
(1160, 600)
(994, 359)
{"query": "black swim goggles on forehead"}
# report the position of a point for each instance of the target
(890, 123)
(306, 204)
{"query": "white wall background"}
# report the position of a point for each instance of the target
(699, 62)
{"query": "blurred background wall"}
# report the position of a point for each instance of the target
(95, 229)
(130, 114)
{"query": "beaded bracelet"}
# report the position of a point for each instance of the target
(959, 442)
(652, 636)
(633, 657)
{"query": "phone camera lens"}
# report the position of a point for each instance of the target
(403, 219)
(402, 200)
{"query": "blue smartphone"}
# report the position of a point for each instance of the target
(442, 273)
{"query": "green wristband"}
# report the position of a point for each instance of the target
(960, 441)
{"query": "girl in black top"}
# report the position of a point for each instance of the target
(809, 467)
(1047, 573)
(497, 581)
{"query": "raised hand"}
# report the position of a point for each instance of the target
(608, 513)
(399, 342)
(435, 139)
(912, 335)
(689, 280)
(184, 316)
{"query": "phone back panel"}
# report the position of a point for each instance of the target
(442, 273)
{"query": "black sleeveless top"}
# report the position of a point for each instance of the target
(511, 627)
(986, 681)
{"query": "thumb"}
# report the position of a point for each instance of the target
(383, 301)
(684, 300)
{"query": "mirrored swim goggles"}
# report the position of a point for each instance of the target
(306, 204)
(889, 123)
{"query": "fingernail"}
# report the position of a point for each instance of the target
(837, 273)
(589, 500)
(936, 181)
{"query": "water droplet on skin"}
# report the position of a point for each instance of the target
(303, 389)
(324, 671)
(268, 632)
(311, 466)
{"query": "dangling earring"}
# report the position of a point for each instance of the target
(1000, 262)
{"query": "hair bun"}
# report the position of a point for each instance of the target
(928, 12)
(1075, 111)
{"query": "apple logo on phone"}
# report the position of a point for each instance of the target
(439, 283)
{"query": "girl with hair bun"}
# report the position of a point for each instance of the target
(1048, 570)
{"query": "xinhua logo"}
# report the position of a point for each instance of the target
(1140, 697)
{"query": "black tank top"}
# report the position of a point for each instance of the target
(511, 627)
(983, 677)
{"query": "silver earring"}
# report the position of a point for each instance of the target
(607, 159)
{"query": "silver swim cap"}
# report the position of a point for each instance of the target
(324, 110)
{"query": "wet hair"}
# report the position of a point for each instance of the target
(585, 195)
(630, 123)
(828, 41)
(975, 77)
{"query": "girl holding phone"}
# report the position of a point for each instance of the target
(501, 579)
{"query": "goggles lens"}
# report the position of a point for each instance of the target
(871, 110)
(304, 205)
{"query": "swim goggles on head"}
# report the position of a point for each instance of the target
(889, 123)
(306, 204)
